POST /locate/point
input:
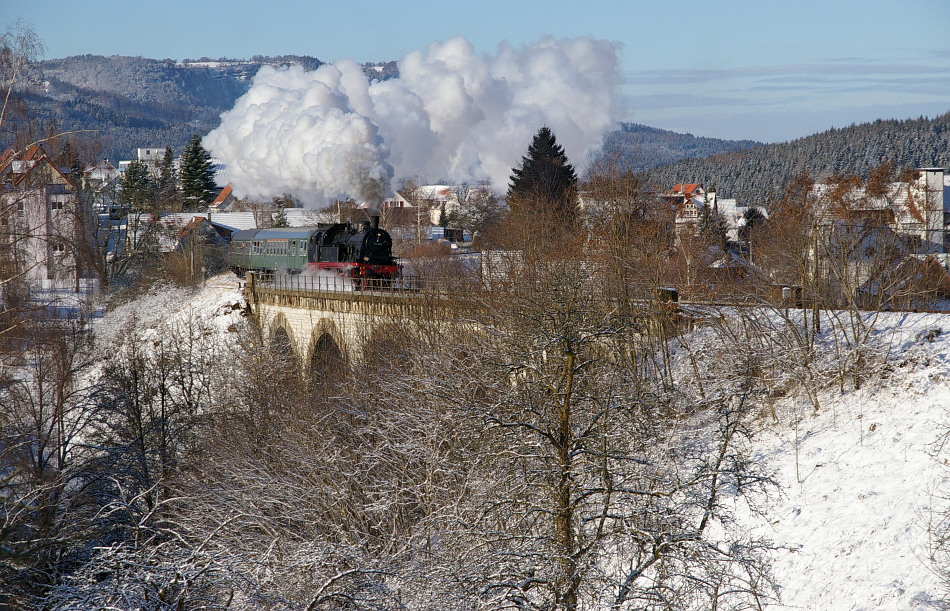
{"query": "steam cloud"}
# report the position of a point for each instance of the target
(451, 116)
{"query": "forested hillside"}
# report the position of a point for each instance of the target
(753, 174)
(148, 80)
(642, 147)
(131, 102)
(122, 103)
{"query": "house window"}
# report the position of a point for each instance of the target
(56, 205)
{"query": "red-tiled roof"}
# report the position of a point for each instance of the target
(223, 195)
(685, 189)
(35, 152)
(188, 228)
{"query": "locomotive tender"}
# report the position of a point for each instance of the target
(363, 252)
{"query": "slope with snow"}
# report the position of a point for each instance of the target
(857, 478)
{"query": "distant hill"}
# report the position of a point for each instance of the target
(131, 102)
(755, 174)
(641, 147)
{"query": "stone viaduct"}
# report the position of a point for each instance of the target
(322, 323)
(316, 322)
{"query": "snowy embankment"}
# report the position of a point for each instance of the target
(218, 306)
(857, 477)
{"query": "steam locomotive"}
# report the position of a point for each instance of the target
(363, 252)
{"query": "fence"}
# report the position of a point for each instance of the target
(332, 283)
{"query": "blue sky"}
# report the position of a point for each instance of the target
(762, 70)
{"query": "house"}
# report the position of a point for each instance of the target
(420, 214)
(434, 201)
(151, 157)
(885, 243)
(100, 175)
(688, 200)
(41, 221)
(916, 209)
(224, 200)
(200, 231)
(101, 184)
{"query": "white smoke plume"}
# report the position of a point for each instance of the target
(452, 116)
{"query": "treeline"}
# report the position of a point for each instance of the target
(755, 175)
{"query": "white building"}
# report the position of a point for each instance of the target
(434, 201)
(915, 209)
(41, 222)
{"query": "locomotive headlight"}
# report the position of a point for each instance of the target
(366, 259)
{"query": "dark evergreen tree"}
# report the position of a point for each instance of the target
(167, 176)
(280, 218)
(168, 181)
(712, 227)
(754, 219)
(136, 189)
(545, 184)
(66, 155)
(76, 174)
(197, 176)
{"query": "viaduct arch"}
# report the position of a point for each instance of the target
(321, 328)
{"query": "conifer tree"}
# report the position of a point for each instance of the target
(197, 175)
(545, 184)
(712, 226)
(168, 181)
(280, 218)
(166, 174)
(136, 190)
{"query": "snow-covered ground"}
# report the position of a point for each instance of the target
(218, 305)
(858, 480)
(857, 477)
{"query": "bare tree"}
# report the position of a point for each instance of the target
(20, 47)
(45, 406)
(479, 210)
(584, 490)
